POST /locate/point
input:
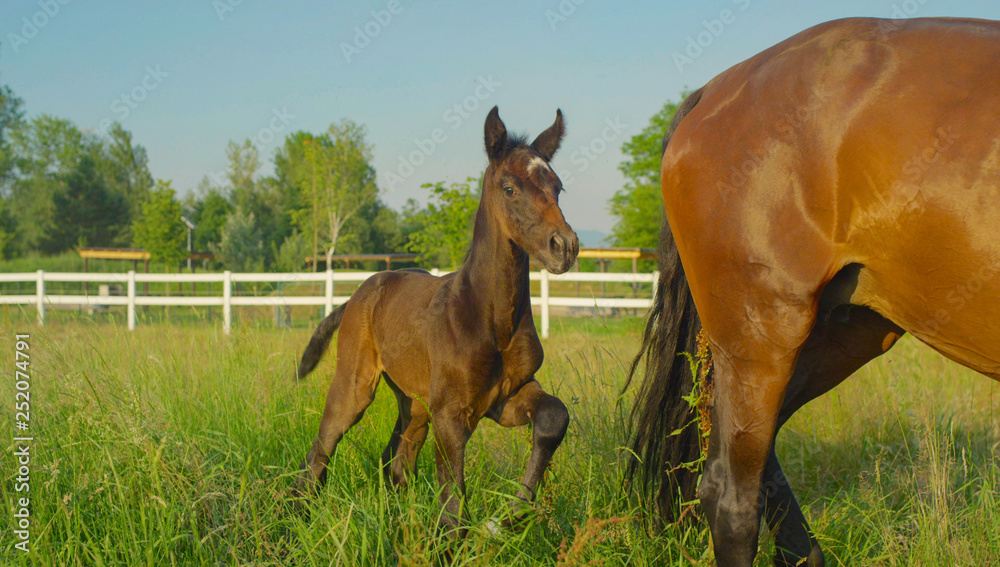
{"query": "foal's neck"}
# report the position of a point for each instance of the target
(497, 274)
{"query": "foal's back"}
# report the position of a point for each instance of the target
(400, 317)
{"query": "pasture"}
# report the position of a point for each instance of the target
(175, 445)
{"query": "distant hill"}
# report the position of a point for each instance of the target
(592, 238)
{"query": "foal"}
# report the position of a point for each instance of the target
(460, 347)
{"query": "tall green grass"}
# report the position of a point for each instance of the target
(175, 445)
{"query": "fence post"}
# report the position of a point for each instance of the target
(227, 301)
(329, 292)
(131, 300)
(545, 304)
(40, 296)
(656, 285)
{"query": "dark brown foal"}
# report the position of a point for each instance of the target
(461, 347)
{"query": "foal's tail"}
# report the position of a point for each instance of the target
(662, 434)
(320, 341)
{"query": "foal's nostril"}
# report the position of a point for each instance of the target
(557, 244)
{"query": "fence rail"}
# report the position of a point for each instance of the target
(131, 299)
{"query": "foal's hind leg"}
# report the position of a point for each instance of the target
(351, 392)
(549, 418)
(834, 351)
(399, 459)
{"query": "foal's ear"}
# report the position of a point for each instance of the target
(496, 135)
(548, 141)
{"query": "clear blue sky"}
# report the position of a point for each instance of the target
(228, 77)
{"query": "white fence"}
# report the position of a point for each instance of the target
(227, 301)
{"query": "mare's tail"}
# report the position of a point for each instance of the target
(663, 436)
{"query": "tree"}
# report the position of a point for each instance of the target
(208, 209)
(89, 214)
(71, 188)
(11, 119)
(252, 194)
(244, 163)
(331, 180)
(46, 151)
(8, 231)
(126, 171)
(240, 248)
(159, 229)
(291, 256)
(447, 224)
(297, 170)
(638, 205)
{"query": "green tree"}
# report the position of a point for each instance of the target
(328, 179)
(244, 164)
(240, 248)
(11, 119)
(208, 208)
(159, 229)
(70, 187)
(447, 224)
(8, 231)
(125, 167)
(251, 193)
(638, 205)
(46, 152)
(89, 214)
(291, 255)
(297, 170)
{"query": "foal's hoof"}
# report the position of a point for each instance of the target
(518, 515)
(301, 493)
(298, 501)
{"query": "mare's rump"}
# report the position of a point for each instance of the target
(857, 142)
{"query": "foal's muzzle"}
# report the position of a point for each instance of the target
(562, 250)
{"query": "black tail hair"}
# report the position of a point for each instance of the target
(320, 341)
(661, 434)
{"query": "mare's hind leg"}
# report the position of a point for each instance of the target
(351, 392)
(834, 351)
(399, 459)
(753, 364)
(549, 419)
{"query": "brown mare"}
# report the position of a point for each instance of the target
(823, 198)
(461, 347)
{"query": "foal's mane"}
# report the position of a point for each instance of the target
(515, 141)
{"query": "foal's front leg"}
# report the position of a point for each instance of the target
(549, 418)
(451, 433)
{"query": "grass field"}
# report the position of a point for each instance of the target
(175, 445)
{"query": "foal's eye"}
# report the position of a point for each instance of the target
(508, 190)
